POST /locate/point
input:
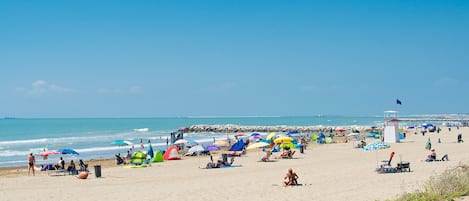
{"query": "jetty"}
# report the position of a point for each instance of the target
(231, 128)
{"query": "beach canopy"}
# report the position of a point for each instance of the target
(67, 151)
(172, 153)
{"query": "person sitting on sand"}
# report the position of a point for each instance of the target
(291, 178)
(432, 156)
(71, 167)
(60, 164)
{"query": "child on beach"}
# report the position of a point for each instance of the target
(291, 178)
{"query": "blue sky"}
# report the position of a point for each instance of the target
(232, 58)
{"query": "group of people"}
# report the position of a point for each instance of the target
(72, 167)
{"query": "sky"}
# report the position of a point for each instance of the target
(232, 58)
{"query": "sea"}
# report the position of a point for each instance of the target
(92, 137)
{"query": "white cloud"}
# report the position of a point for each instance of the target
(117, 91)
(446, 82)
(40, 87)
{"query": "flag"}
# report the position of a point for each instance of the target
(398, 102)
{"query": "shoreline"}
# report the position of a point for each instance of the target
(336, 171)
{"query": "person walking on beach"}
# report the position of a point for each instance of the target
(428, 145)
(141, 143)
(31, 162)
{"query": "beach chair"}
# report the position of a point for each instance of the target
(403, 167)
(83, 166)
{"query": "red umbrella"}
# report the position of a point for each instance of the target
(239, 135)
(340, 129)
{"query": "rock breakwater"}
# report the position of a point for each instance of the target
(231, 128)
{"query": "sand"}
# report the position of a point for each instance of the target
(328, 172)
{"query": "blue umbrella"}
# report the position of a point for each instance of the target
(121, 142)
(292, 132)
(67, 151)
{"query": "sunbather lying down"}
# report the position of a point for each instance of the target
(219, 164)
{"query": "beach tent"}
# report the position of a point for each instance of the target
(158, 157)
(138, 158)
(172, 153)
(238, 146)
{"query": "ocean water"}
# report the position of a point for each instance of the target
(92, 137)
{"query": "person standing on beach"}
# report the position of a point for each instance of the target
(141, 143)
(31, 162)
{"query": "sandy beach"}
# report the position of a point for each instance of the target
(328, 172)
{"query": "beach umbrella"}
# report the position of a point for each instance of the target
(282, 139)
(254, 134)
(375, 146)
(121, 142)
(221, 143)
(67, 151)
(48, 152)
(192, 142)
(198, 148)
(270, 136)
(181, 141)
(239, 135)
(257, 145)
(292, 132)
(213, 148)
(340, 129)
(287, 144)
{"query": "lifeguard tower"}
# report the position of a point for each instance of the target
(391, 127)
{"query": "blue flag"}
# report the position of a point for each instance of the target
(398, 102)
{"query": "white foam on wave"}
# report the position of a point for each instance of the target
(7, 153)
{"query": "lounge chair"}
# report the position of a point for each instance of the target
(83, 166)
(119, 160)
(403, 167)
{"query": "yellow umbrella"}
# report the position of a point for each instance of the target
(283, 139)
(270, 136)
(257, 145)
(221, 143)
